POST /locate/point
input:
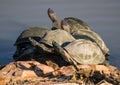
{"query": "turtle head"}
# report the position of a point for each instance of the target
(65, 26)
(56, 23)
(52, 15)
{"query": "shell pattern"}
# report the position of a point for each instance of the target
(85, 52)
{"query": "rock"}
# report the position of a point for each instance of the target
(65, 70)
(28, 73)
(33, 72)
(100, 68)
(23, 69)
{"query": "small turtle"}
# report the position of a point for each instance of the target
(74, 23)
(24, 47)
(80, 51)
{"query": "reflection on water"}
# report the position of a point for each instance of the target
(15, 16)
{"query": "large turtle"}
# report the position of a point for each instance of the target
(23, 45)
(74, 23)
(80, 51)
(94, 37)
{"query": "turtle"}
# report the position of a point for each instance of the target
(23, 46)
(74, 23)
(80, 51)
(94, 37)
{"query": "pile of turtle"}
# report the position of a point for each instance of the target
(70, 41)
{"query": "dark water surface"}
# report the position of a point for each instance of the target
(16, 15)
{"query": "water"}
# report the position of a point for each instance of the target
(16, 15)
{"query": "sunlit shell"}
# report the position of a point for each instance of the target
(85, 52)
(92, 36)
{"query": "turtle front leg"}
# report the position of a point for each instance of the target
(36, 44)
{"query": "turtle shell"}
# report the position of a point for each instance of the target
(85, 52)
(34, 32)
(76, 24)
(92, 36)
(60, 36)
